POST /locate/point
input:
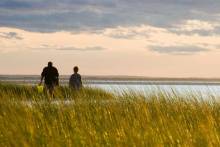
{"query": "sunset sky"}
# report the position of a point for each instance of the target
(154, 38)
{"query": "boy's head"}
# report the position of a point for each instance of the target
(75, 69)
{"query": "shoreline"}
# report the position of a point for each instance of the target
(118, 78)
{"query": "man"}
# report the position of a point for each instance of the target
(50, 76)
(75, 80)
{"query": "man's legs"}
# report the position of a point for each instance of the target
(50, 89)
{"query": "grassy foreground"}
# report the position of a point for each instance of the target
(93, 117)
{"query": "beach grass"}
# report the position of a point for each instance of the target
(93, 117)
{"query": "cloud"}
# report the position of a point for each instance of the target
(10, 35)
(96, 48)
(14, 4)
(202, 28)
(178, 50)
(130, 32)
(68, 48)
(90, 15)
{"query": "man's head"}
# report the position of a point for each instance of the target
(75, 69)
(50, 64)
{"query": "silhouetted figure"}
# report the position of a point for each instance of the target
(75, 81)
(50, 76)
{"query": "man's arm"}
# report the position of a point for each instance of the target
(42, 76)
(41, 80)
(57, 73)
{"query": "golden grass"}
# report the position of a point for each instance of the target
(98, 118)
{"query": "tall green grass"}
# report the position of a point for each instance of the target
(97, 118)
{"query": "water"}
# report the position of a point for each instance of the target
(204, 91)
(203, 88)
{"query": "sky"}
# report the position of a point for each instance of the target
(152, 38)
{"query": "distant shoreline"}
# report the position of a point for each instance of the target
(117, 78)
(114, 80)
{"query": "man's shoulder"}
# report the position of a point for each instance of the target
(54, 68)
(45, 68)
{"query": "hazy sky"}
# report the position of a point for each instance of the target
(157, 38)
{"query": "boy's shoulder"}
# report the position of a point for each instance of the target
(76, 75)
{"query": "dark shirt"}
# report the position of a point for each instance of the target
(75, 81)
(50, 75)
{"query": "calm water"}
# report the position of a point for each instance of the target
(201, 90)
(115, 86)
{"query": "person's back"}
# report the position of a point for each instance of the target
(50, 75)
(75, 80)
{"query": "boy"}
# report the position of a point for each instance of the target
(75, 81)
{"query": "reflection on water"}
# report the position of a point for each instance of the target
(203, 90)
